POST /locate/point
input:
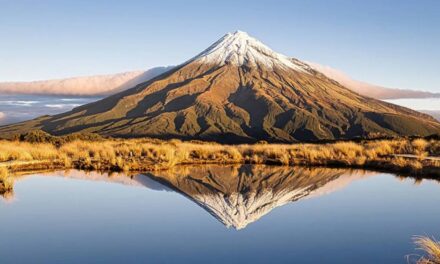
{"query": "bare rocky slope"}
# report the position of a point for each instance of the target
(238, 90)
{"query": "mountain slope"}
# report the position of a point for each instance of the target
(87, 85)
(370, 90)
(238, 90)
(113, 83)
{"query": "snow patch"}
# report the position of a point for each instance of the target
(239, 49)
(238, 210)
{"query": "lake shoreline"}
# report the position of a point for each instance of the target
(428, 172)
(418, 158)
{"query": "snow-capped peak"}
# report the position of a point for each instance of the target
(239, 49)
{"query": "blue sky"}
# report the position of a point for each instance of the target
(392, 43)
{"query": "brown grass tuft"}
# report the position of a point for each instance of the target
(6, 181)
(431, 247)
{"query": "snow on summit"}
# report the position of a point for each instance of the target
(239, 49)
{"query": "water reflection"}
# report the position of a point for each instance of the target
(8, 195)
(166, 216)
(235, 195)
(240, 195)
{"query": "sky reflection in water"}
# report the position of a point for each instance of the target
(274, 214)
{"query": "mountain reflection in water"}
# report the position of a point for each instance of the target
(240, 195)
(236, 195)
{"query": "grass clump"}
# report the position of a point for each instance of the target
(6, 181)
(24, 151)
(431, 247)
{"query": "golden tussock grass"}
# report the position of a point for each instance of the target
(431, 247)
(143, 154)
(6, 181)
(24, 151)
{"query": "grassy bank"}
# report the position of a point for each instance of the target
(150, 154)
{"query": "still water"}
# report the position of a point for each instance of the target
(217, 214)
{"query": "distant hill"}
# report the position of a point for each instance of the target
(238, 90)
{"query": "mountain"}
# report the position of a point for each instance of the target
(240, 195)
(84, 86)
(367, 89)
(238, 90)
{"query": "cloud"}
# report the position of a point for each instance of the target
(84, 86)
(370, 90)
(18, 103)
(60, 106)
(2, 115)
(435, 114)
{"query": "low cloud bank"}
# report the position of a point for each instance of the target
(435, 114)
(367, 89)
(102, 85)
(84, 86)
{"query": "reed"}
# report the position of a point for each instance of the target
(431, 247)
